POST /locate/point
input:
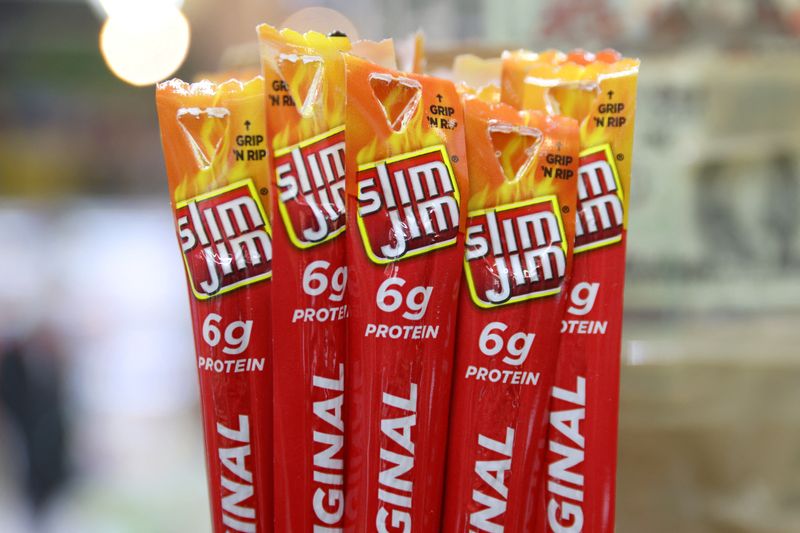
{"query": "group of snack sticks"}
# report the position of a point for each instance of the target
(406, 291)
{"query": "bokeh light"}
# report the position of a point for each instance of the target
(107, 8)
(144, 44)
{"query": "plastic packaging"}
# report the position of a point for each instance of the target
(599, 90)
(406, 178)
(522, 169)
(475, 72)
(515, 67)
(411, 53)
(213, 138)
(305, 96)
(305, 104)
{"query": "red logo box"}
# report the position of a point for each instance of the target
(515, 252)
(311, 197)
(225, 238)
(408, 205)
(600, 202)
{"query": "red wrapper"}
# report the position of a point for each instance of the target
(406, 178)
(305, 134)
(599, 90)
(305, 105)
(523, 169)
(213, 139)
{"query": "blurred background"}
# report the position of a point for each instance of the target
(99, 418)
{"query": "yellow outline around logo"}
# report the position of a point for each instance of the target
(362, 229)
(612, 163)
(541, 294)
(287, 222)
(205, 196)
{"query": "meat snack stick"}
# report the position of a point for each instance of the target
(304, 75)
(522, 174)
(305, 106)
(406, 180)
(213, 139)
(600, 92)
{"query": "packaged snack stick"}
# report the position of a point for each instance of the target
(406, 185)
(305, 106)
(213, 139)
(600, 92)
(522, 169)
(304, 75)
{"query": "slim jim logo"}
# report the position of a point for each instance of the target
(225, 239)
(408, 205)
(600, 202)
(515, 252)
(310, 178)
